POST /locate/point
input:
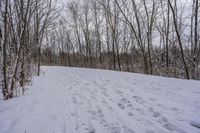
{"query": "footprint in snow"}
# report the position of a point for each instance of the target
(121, 106)
(174, 109)
(130, 114)
(92, 131)
(115, 129)
(156, 114)
(124, 100)
(76, 128)
(128, 103)
(53, 117)
(152, 99)
(166, 124)
(138, 99)
(195, 124)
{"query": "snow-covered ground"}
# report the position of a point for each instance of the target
(77, 100)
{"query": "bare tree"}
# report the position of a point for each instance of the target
(179, 38)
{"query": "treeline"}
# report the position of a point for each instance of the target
(157, 37)
(22, 27)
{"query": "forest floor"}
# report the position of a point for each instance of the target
(77, 100)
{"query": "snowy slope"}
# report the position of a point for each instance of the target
(75, 100)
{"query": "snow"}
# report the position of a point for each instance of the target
(77, 100)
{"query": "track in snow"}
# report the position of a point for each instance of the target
(75, 100)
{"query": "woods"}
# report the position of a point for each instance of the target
(151, 37)
(143, 36)
(23, 23)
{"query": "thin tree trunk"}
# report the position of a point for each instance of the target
(5, 43)
(179, 40)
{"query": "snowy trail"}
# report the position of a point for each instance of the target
(75, 100)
